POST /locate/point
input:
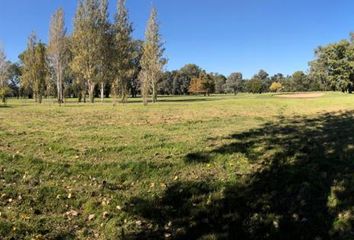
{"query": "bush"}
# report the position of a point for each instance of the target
(275, 87)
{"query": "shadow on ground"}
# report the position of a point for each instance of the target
(301, 187)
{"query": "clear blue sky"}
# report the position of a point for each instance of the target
(219, 35)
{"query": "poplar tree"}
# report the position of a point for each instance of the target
(87, 41)
(4, 74)
(35, 68)
(124, 53)
(57, 51)
(106, 48)
(152, 61)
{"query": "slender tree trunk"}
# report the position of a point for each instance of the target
(102, 91)
(145, 100)
(114, 92)
(91, 88)
(124, 93)
(59, 88)
(84, 94)
(40, 98)
(154, 92)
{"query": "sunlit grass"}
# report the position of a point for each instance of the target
(63, 165)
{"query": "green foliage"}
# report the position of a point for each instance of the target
(35, 68)
(89, 43)
(152, 60)
(300, 81)
(259, 82)
(124, 54)
(334, 66)
(234, 83)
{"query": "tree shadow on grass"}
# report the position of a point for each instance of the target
(197, 157)
(301, 187)
(195, 99)
(5, 106)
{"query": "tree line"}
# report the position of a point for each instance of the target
(100, 58)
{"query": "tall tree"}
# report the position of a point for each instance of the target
(35, 68)
(105, 73)
(4, 75)
(152, 61)
(15, 79)
(134, 83)
(57, 51)
(87, 42)
(334, 63)
(124, 53)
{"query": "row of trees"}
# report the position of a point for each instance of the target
(331, 70)
(191, 79)
(98, 56)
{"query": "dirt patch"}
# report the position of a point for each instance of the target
(301, 95)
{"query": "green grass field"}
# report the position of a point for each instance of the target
(219, 167)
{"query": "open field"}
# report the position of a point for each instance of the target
(219, 167)
(302, 95)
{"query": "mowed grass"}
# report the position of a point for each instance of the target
(188, 167)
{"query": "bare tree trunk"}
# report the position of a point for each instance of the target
(91, 88)
(40, 98)
(114, 93)
(154, 93)
(102, 91)
(124, 93)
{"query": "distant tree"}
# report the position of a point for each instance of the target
(208, 82)
(183, 78)
(57, 51)
(263, 75)
(259, 82)
(124, 52)
(165, 86)
(234, 83)
(219, 82)
(197, 86)
(255, 85)
(275, 87)
(35, 68)
(300, 81)
(191, 70)
(152, 61)
(4, 76)
(279, 77)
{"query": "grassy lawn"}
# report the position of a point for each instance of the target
(219, 167)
